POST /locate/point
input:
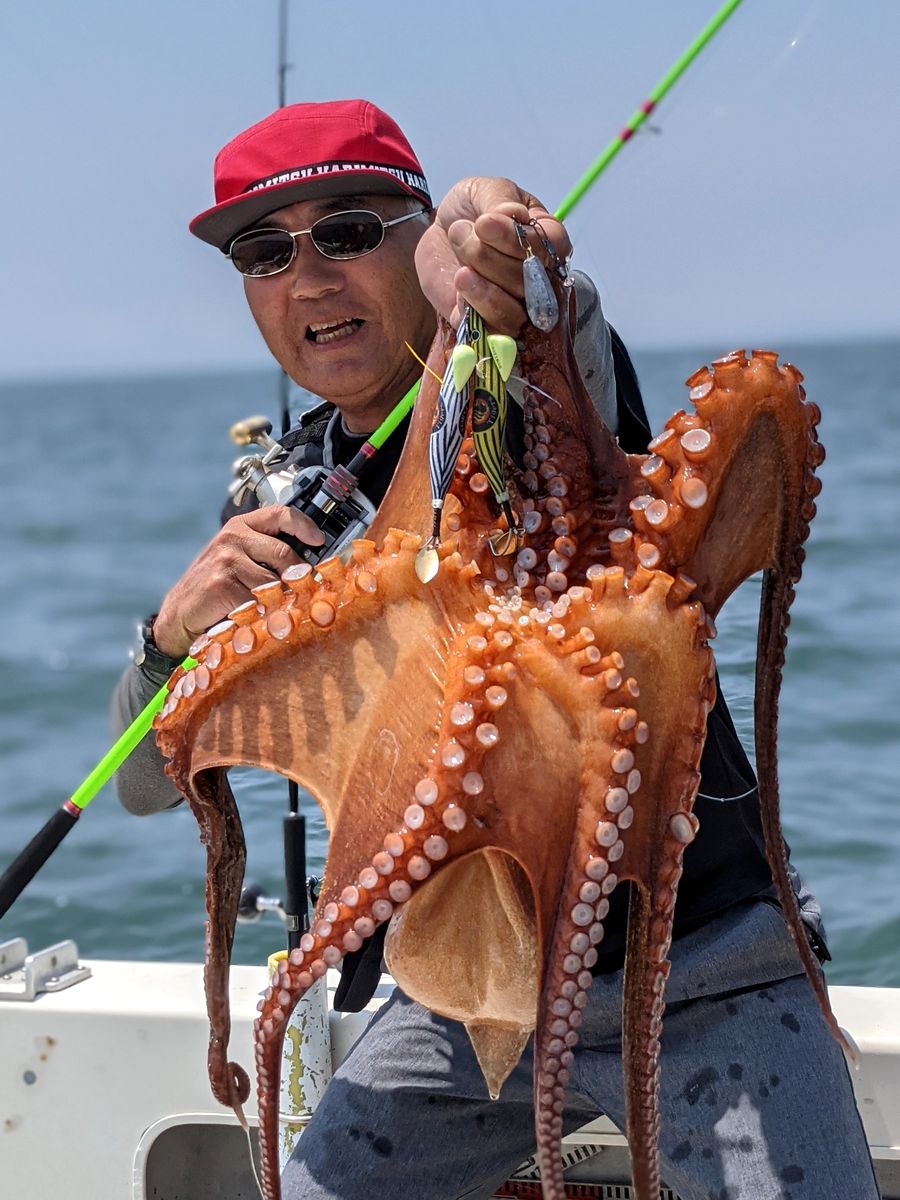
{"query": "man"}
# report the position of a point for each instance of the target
(325, 210)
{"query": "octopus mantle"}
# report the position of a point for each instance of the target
(517, 738)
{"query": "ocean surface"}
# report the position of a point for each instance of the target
(112, 486)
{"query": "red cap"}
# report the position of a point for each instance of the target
(340, 147)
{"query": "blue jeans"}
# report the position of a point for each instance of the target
(756, 1101)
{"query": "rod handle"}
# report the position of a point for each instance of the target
(23, 869)
(295, 895)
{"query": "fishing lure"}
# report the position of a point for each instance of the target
(488, 358)
(540, 298)
(495, 354)
(446, 438)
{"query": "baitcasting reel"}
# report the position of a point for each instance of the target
(329, 496)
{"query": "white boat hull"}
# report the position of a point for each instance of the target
(104, 1093)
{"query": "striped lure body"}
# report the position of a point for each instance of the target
(449, 426)
(480, 364)
(488, 410)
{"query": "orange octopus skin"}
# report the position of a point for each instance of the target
(517, 737)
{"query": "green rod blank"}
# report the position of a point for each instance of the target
(637, 119)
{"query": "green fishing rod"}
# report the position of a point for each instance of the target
(23, 868)
(593, 173)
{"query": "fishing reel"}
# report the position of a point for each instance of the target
(328, 496)
(254, 903)
(335, 504)
(268, 475)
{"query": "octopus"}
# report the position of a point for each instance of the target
(517, 737)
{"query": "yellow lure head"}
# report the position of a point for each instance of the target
(462, 364)
(503, 351)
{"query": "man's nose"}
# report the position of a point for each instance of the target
(311, 273)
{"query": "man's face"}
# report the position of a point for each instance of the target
(338, 327)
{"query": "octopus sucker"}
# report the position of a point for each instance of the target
(551, 708)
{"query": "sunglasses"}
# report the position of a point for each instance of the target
(339, 235)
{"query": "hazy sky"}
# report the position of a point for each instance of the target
(766, 209)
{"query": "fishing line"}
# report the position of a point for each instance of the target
(774, 63)
(252, 1157)
(421, 361)
(526, 385)
(728, 799)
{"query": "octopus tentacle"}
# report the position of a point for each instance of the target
(650, 919)
(776, 597)
(222, 834)
(743, 454)
(605, 816)
(661, 786)
(338, 928)
(646, 972)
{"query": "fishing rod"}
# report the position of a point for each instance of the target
(23, 869)
(637, 119)
(294, 823)
(332, 490)
(284, 383)
(283, 65)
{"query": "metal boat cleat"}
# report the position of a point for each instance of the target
(24, 976)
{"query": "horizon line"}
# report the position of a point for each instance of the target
(88, 374)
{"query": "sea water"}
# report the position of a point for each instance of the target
(112, 486)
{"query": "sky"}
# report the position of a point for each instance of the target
(762, 208)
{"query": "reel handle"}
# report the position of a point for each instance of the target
(252, 431)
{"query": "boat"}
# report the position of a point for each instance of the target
(104, 1092)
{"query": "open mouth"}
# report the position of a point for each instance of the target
(332, 331)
